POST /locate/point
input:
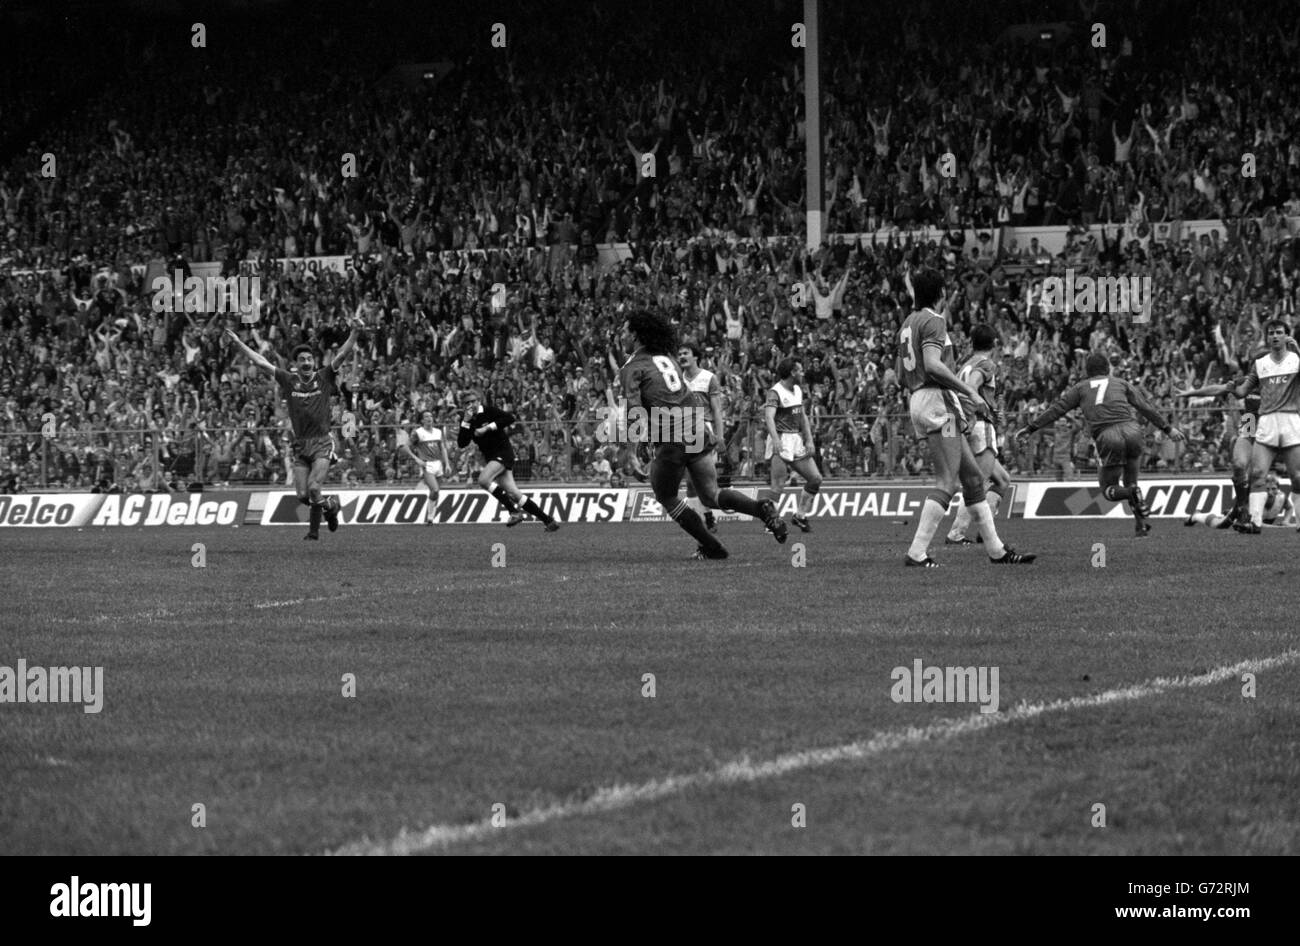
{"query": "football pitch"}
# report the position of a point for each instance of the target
(477, 690)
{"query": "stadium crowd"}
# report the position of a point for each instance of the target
(473, 220)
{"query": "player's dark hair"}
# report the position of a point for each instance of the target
(693, 349)
(653, 332)
(1268, 326)
(983, 337)
(785, 367)
(927, 288)
(303, 348)
(1098, 363)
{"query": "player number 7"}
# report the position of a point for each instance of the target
(1099, 385)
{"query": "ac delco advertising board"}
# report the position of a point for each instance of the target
(48, 509)
(118, 509)
(1168, 498)
(407, 506)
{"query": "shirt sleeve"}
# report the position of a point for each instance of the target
(1058, 408)
(932, 334)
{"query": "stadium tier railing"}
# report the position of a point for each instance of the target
(848, 447)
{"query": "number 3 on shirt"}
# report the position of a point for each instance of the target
(905, 339)
(669, 371)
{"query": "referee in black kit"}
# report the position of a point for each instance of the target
(488, 427)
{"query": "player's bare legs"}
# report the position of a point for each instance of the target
(1242, 451)
(500, 482)
(301, 475)
(812, 482)
(703, 474)
(320, 503)
(665, 477)
(945, 454)
(695, 502)
(972, 484)
(996, 483)
(431, 484)
(1261, 462)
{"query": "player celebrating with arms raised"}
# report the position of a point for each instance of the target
(925, 367)
(427, 448)
(789, 439)
(307, 392)
(487, 427)
(1110, 407)
(651, 379)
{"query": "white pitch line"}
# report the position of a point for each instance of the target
(615, 797)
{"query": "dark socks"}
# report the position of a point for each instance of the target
(736, 501)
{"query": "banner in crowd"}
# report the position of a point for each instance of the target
(452, 261)
(408, 506)
(121, 509)
(1167, 498)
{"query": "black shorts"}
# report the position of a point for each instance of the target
(670, 464)
(507, 460)
(306, 452)
(1119, 443)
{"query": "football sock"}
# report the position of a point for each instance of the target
(688, 519)
(995, 500)
(533, 509)
(314, 495)
(1257, 500)
(1241, 493)
(960, 523)
(314, 524)
(932, 514)
(503, 497)
(736, 501)
(804, 503)
(983, 518)
(1118, 494)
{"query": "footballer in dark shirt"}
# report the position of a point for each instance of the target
(488, 428)
(307, 392)
(651, 381)
(1110, 408)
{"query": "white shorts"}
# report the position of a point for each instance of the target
(433, 467)
(933, 409)
(792, 447)
(983, 436)
(1279, 430)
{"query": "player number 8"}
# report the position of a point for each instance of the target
(669, 371)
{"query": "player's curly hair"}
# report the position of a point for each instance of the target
(653, 332)
(303, 348)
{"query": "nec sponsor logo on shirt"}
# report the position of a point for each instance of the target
(160, 510)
